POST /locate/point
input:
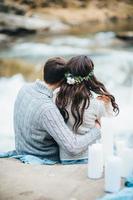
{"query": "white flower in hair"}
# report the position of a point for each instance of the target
(70, 80)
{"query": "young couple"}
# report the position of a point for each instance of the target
(60, 127)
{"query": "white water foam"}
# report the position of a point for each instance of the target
(8, 91)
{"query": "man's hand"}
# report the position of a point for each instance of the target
(98, 124)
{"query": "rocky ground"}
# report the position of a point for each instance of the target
(24, 17)
(41, 182)
(21, 18)
(9, 67)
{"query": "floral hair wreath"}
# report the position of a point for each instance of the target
(71, 80)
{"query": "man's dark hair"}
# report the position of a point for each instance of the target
(54, 70)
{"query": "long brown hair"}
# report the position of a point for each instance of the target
(78, 95)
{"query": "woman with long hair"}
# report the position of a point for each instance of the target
(77, 104)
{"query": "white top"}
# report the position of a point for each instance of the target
(97, 109)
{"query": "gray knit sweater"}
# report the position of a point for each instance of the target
(40, 128)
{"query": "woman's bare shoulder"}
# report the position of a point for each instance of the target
(104, 98)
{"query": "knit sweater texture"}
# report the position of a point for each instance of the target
(40, 128)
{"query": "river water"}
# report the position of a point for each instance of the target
(113, 61)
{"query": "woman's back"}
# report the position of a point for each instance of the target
(97, 109)
(75, 98)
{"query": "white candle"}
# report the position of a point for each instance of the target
(95, 161)
(130, 141)
(127, 158)
(107, 138)
(120, 146)
(113, 174)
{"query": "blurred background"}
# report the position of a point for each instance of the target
(32, 31)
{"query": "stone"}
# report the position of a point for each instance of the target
(4, 40)
(32, 182)
(21, 25)
(126, 35)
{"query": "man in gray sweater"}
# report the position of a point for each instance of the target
(38, 124)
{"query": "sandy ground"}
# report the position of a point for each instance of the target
(20, 181)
